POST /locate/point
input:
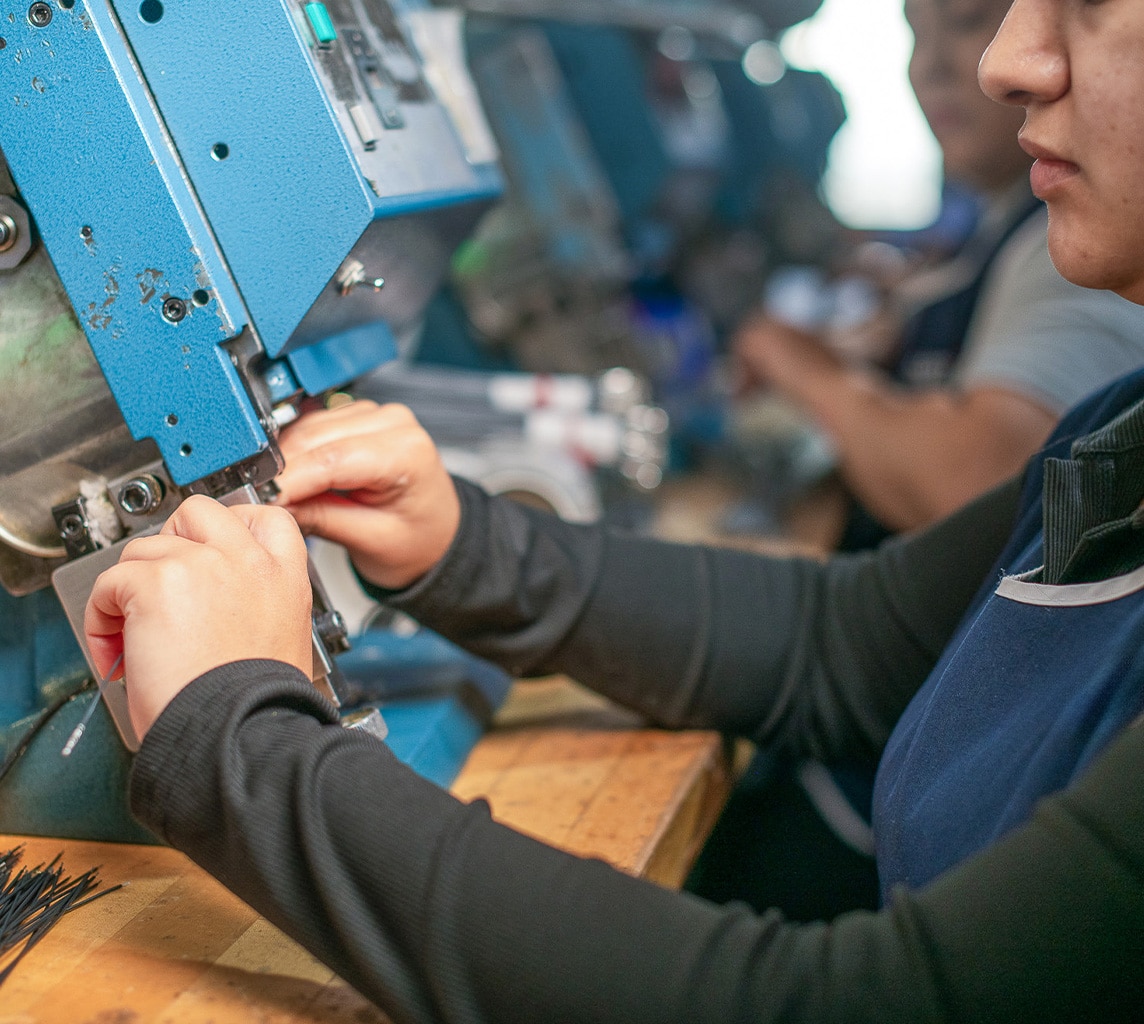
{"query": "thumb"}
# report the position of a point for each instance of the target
(104, 619)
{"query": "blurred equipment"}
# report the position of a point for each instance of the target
(543, 438)
(734, 25)
(654, 151)
(206, 214)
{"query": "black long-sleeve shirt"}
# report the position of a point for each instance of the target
(439, 914)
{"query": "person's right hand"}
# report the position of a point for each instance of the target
(216, 585)
(369, 478)
(768, 352)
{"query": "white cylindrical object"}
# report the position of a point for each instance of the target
(590, 436)
(520, 392)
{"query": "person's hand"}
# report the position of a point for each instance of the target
(771, 353)
(369, 478)
(216, 585)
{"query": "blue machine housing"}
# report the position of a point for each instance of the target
(221, 190)
(210, 170)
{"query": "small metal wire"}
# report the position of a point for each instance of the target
(77, 732)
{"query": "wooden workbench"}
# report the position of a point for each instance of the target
(174, 946)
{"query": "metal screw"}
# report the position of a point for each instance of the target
(8, 232)
(40, 15)
(72, 526)
(351, 275)
(141, 495)
(366, 720)
(174, 310)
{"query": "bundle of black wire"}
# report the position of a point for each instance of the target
(32, 900)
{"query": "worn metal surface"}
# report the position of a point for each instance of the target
(59, 424)
(91, 157)
(245, 81)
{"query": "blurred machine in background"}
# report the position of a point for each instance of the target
(548, 439)
(660, 160)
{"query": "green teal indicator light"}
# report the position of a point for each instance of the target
(323, 27)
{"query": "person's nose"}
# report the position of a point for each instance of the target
(1027, 61)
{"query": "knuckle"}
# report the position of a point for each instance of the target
(195, 504)
(420, 446)
(168, 576)
(133, 549)
(329, 457)
(272, 515)
(399, 415)
(190, 510)
(282, 529)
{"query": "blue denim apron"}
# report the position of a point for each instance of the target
(1033, 685)
(1027, 694)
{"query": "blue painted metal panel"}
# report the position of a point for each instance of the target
(125, 232)
(434, 736)
(342, 357)
(276, 161)
(286, 200)
(434, 696)
(382, 664)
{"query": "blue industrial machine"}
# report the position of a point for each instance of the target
(207, 214)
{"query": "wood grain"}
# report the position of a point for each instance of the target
(174, 947)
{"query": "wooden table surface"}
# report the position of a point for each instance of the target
(174, 946)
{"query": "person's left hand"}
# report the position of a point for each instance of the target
(216, 585)
(369, 477)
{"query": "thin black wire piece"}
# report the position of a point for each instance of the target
(32, 900)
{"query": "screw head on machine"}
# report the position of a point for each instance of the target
(40, 15)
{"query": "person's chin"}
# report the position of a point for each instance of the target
(1087, 265)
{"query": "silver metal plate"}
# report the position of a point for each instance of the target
(73, 583)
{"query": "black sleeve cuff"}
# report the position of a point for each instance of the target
(183, 742)
(460, 562)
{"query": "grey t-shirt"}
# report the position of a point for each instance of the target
(1038, 335)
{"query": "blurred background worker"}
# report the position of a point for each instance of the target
(983, 366)
(984, 359)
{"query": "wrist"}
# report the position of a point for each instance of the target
(383, 581)
(835, 396)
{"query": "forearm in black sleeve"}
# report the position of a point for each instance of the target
(820, 657)
(439, 914)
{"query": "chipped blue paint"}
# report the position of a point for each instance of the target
(294, 192)
(125, 232)
(201, 155)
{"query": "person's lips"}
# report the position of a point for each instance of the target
(1050, 172)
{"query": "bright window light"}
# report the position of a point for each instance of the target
(884, 166)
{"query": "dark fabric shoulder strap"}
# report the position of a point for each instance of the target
(938, 331)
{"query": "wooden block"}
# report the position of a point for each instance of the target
(173, 946)
(569, 769)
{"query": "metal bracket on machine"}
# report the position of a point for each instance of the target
(73, 583)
